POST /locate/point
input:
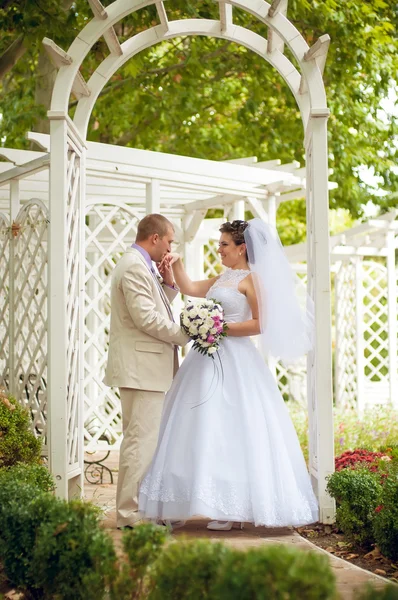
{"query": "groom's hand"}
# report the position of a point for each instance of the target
(166, 271)
(169, 259)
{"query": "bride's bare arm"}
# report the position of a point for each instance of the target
(196, 289)
(252, 326)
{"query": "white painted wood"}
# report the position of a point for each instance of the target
(14, 210)
(153, 197)
(320, 368)
(192, 223)
(225, 16)
(359, 346)
(392, 316)
(19, 157)
(112, 42)
(238, 211)
(162, 16)
(275, 42)
(57, 377)
(271, 209)
(80, 88)
(33, 166)
(185, 27)
(249, 160)
(257, 208)
(276, 7)
(98, 9)
(319, 51)
(58, 56)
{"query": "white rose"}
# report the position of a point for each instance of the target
(186, 321)
(212, 350)
(203, 330)
(213, 330)
(209, 323)
(205, 344)
(202, 313)
(193, 330)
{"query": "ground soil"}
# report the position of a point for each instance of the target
(333, 541)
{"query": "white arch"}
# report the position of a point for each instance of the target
(148, 38)
(313, 100)
(68, 140)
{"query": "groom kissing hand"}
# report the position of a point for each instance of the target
(142, 356)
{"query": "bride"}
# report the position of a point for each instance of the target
(227, 449)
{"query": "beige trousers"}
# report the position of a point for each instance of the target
(141, 414)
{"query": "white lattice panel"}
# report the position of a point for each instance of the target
(4, 300)
(212, 264)
(375, 322)
(108, 231)
(73, 217)
(30, 312)
(346, 334)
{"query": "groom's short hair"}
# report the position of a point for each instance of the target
(153, 224)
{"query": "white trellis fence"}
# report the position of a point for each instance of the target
(365, 307)
(23, 346)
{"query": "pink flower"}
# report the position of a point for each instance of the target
(211, 339)
(216, 319)
(379, 508)
(219, 328)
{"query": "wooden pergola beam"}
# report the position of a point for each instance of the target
(275, 42)
(58, 57)
(112, 42)
(276, 7)
(225, 16)
(162, 16)
(192, 222)
(80, 88)
(98, 9)
(319, 51)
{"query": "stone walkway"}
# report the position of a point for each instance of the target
(349, 577)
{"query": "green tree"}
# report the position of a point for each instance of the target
(211, 98)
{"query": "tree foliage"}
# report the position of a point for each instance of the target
(211, 98)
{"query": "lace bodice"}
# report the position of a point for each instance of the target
(225, 290)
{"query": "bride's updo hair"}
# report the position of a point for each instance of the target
(236, 230)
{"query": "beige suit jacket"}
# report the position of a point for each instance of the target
(142, 335)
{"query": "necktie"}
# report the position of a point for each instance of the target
(163, 295)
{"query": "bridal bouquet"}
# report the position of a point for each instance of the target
(204, 322)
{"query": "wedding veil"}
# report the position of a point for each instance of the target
(286, 328)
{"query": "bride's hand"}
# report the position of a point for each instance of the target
(168, 260)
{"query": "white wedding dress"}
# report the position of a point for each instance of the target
(227, 448)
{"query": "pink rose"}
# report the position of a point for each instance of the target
(211, 339)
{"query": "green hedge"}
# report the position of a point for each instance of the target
(192, 570)
(367, 506)
(357, 493)
(18, 444)
(51, 548)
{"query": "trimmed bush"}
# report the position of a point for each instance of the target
(142, 546)
(385, 523)
(73, 558)
(390, 592)
(51, 548)
(22, 510)
(357, 493)
(274, 573)
(18, 444)
(187, 570)
(36, 475)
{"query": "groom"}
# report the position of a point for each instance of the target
(142, 356)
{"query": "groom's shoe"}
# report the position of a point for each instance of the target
(125, 527)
